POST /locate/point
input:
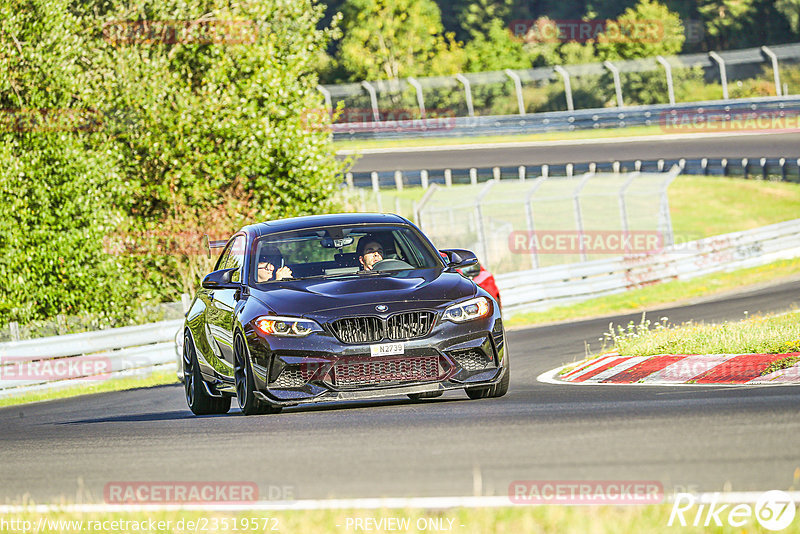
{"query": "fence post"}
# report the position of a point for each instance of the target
(723, 74)
(623, 207)
(327, 95)
(376, 186)
(576, 201)
(617, 83)
(764, 174)
(746, 168)
(473, 176)
(373, 99)
(668, 71)
(570, 170)
(518, 86)
(545, 170)
(567, 86)
(521, 171)
(448, 177)
(423, 177)
(13, 327)
(496, 173)
(529, 218)
(398, 180)
(775, 72)
(424, 200)
(420, 97)
(348, 179)
(62, 324)
(481, 226)
(467, 93)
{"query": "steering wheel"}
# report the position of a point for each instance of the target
(391, 264)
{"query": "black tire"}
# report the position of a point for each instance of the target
(498, 390)
(199, 401)
(245, 385)
(426, 395)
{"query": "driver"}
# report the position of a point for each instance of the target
(370, 251)
(270, 262)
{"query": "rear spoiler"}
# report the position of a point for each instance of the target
(208, 244)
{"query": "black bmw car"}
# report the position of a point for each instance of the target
(335, 307)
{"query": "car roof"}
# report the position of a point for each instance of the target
(334, 219)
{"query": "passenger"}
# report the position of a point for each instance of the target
(270, 259)
(370, 251)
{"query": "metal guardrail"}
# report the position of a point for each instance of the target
(77, 359)
(788, 169)
(665, 115)
(542, 288)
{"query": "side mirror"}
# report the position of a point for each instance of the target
(457, 258)
(220, 280)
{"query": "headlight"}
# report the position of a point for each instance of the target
(271, 325)
(468, 310)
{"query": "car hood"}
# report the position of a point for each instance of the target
(320, 297)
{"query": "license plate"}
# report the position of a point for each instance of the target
(386, 349)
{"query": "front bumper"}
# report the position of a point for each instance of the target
(320, 368)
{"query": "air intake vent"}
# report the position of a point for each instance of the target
(386, 371)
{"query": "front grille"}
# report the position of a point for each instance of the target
(399, 327)
(391, 370)
(409, 325)
(358, 329)
(472, 360)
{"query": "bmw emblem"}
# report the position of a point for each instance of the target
(382, 307)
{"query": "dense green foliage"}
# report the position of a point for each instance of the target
(702, 25)
(119, 149)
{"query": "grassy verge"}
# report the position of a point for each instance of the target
(654, 296)
(538, 519)
(767, 334)
(633, 131)
(156, 379)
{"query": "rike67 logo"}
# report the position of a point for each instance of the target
(774, 510)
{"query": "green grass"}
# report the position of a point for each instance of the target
(158, 378)
(763, 334)
(706, 206)
(520, 519)
(600, 133)
(676, 291)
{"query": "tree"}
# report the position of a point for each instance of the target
(478, 16)
(646, 30)
(726, 18)
(386, 39)
(791, 10)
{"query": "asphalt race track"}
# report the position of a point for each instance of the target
(739, 146)
(703, 439)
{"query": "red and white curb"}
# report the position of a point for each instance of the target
(676, 369)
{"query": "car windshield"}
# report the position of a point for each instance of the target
(340, 251)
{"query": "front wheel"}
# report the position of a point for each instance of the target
(245, 385)
(199, 401)
(498, 390)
